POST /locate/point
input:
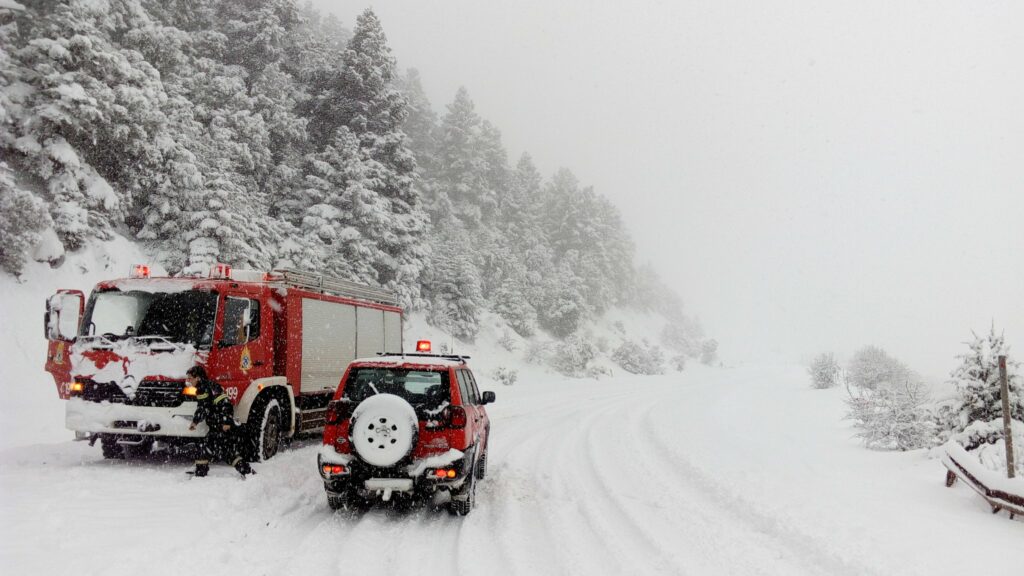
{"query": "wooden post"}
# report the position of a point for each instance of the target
(1007, 428)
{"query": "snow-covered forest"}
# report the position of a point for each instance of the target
(264, 134)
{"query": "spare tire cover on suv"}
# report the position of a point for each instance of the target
(383, 429)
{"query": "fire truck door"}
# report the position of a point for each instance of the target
(243, 349)
(60, 324)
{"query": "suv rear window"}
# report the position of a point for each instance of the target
(418, 387)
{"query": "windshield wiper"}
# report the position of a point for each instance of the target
(159, 342)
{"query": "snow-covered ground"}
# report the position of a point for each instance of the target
(710, 471)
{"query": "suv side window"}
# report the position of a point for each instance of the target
(468, 386)
(472, 384)
(467, 397)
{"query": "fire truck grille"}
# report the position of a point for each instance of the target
(164, 394)
(159, 393)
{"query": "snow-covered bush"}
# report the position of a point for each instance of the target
(871, 367)
(538, 351)
(888, 402)
(508, 341)
(892, 416)
(678, 362)
(506, 376)
(824, 371)
(639, 358)
(573, 355)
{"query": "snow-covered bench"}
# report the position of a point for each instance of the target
(1001, 493)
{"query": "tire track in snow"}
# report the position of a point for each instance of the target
(538, 461)
(810, 554)
(630, 534)
(613, 528)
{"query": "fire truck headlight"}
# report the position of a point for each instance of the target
(76, 387)
(189, 391)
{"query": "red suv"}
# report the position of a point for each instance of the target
(410, 425)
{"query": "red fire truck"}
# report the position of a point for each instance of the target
(277, 342)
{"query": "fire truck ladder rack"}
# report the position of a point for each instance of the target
(336, 286)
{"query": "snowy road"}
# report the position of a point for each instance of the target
(713, 472)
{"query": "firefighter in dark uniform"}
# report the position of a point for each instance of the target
(214, 407)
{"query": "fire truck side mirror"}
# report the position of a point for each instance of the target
(63, 315)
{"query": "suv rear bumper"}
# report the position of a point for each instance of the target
(368, 481)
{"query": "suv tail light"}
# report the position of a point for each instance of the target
(455, 416)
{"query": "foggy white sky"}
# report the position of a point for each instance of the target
(811, 176)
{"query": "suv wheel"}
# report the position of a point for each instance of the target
(336, 502)
(463, 507)
(481, 466)
(347, 500)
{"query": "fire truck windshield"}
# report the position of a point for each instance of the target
(185, 317)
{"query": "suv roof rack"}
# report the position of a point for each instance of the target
(424, 354)
(335, 286)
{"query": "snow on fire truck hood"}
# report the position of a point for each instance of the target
(128, 362)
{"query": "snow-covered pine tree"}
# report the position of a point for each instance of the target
(364, 99)
(510, 299)
(461, 190)
(496, 176)
(521, 209)
(421, 123)
(256, 33)
(587, 235)
(562, 307)
(90, 117)
(453, 283)
(223, 225)
(346, 219)
(977, 382)
(22, 217)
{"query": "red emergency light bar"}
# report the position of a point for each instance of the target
(220, 270)
(423, 346)
(139, 271)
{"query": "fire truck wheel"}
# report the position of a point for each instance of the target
(383, 430)
(111, 449)
(268, 431)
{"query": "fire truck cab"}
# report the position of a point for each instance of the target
(276, 342)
